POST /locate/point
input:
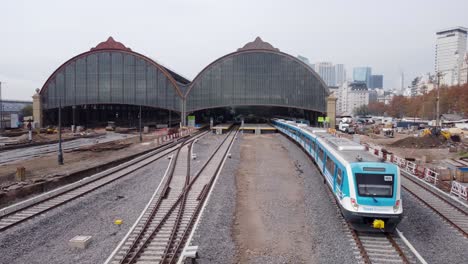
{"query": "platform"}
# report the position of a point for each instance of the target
(221, 128)
(258, 128)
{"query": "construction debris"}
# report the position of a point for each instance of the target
(104, 146)
(428, 141)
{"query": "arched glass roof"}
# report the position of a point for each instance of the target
(111, 73)
(257, 74)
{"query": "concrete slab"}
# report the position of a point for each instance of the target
(80, 241)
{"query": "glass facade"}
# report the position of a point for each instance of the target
(110, 77)
(362, 74)
(257, 78)
(245, 78)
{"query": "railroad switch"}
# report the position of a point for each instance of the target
(378, 224)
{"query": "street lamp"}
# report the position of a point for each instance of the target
(438, 74)
(141, 136)
(60, 151)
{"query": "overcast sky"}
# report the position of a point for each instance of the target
(391, 36)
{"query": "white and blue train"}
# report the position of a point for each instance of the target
(366, 188)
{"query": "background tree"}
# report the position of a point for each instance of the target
(377, 108)
(452, 100)
(27, 110)
(361, 110)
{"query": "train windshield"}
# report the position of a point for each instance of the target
(375, 185)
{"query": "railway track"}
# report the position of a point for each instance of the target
(10, 156)
(28, 209)
(374, 247)
(451, 213)
(381, 248)
(162, 230)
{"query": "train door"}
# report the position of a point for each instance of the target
(339, 183)
(313, 149)
(320, 158)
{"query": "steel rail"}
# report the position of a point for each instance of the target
(363, 252)
(132, 257)
(134, 252)
(397, 247)
(180, 214)
(445, 217)
(435, 193)
(157, 151)
(201, 199)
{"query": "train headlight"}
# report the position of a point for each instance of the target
(354, 204)
(396, 206)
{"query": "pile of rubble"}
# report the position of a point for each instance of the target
(112, 145)
(429, 141)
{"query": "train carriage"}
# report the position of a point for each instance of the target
(366, 188)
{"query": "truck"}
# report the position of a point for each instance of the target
(346, 128)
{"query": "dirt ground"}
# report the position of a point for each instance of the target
(47, 166)
(268, 195)
(431, 155)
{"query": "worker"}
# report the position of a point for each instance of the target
(29, 126)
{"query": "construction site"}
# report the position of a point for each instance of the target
(443, 149)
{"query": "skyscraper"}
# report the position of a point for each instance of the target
(340, 73)
(450, 49)
(305, 60)
(376, 81)
(362, 74)
(326, 70)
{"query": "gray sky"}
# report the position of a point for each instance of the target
(391, 36)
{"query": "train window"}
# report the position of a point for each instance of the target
(339, 177)
(373, 169)
(375, 185)
(321, 154)
(330, 166)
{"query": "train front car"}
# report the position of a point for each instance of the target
(375, 201)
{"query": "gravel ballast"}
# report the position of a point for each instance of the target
(215, 235)
(44, 239)
(329, 245)
(436, 240)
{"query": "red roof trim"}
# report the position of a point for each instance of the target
(110, 43)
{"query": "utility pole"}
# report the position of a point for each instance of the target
(141, 136)
(74, 125)
(1, 107)
(60, 151)
(439, 74)
(170, 119)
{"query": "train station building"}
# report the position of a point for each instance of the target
(111, 82)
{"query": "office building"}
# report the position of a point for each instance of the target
(352, 95)
(305, 60)
(376, 81)
(340, 73)
(362, 74)
(326, 70)
(450, 50)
